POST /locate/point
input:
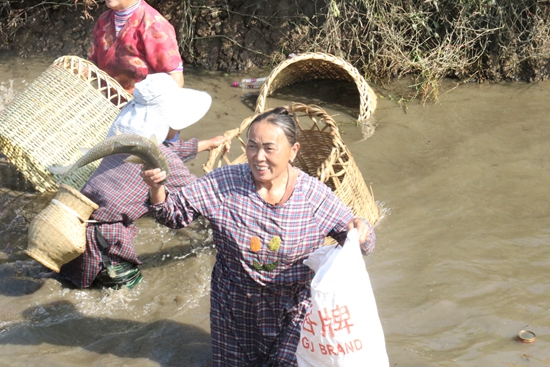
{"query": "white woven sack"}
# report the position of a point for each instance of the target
(342, 327)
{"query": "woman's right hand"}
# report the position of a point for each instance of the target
(152, 178)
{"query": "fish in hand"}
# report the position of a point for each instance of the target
(141, 150)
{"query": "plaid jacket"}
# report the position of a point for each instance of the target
(118, 189)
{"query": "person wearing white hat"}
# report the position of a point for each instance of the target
(159, 108)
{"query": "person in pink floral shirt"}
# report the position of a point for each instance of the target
(132, 40)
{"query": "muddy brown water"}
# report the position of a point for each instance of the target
(460, 266)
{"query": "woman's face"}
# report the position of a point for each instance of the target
(268, 151)
(119, 5)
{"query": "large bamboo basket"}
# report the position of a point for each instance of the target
(69, 106)
(322, 154)
(57, 234)
(315, 65)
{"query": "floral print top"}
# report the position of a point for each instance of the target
(146, 44)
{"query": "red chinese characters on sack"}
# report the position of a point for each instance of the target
(338, 319)
(341, 327)
(335, 320)
(309, 325)
(331, 321)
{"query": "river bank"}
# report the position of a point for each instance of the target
(479, 41)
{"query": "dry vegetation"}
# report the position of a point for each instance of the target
(15, 15)
(430, 40)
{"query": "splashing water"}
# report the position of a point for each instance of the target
(7, 94)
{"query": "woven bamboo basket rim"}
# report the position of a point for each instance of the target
(70, 105)
(76, 200)
(317, 65)
(323, 154)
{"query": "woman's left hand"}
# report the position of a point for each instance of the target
(362, 229)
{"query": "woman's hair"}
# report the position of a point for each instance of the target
(282, 117)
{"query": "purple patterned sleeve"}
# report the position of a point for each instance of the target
(201, 197)
(174, 212)
(335, 215)
(186, 150)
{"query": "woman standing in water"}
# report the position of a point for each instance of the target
(267, 217)
(132, 40)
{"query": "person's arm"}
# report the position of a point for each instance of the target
(181, 206)
(186, 150)
(157, 191)
(92, 53)
(163, 57)
(178, 77)
(96, 51)
(338, 219)
(214, 143)
(169, 209)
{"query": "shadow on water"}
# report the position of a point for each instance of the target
(20, 278)
(165, 341)
(19, 204)
(339, 95)
(250, 99)
(17, 209)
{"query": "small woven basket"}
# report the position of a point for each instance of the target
(322, 154)
(315, 65)
(70, 105)
(57, 234)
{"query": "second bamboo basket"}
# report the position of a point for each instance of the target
(318, 66)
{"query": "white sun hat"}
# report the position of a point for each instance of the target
(159, 104)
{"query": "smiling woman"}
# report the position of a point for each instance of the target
(272, 145)
(267, 217)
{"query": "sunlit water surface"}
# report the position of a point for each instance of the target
(460, 266)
